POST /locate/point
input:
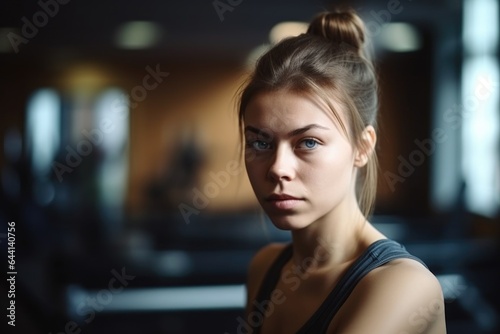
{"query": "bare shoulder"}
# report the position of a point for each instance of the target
(402, 296)
(259, 266)
(403, 275)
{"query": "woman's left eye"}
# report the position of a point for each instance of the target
(308, 143)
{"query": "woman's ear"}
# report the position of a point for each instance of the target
(366, 146)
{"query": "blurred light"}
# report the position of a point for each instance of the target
(138, 35)
(452, 285)
(85, 76)
(481, 134)
(400, 37)
(112, 125)
(112, 109)
(165, 299)
(480, 26)
(43, 133)
(480, 101)
(287, 29)
(174, 263)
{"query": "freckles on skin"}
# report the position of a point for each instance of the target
(322, 175)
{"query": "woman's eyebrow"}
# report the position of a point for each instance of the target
(305, 129)
(292, 133)
(253, 129)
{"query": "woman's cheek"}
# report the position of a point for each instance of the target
(250, 155)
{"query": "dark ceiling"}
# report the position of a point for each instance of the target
(189, 26)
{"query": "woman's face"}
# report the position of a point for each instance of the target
(300, 164)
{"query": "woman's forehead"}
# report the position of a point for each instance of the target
(287, 110)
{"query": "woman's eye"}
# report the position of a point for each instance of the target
(259, 145)
(308, 143)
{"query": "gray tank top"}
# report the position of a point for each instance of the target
(377, 254)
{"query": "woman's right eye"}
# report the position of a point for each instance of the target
(259, 145)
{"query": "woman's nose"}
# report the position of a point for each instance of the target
(282, 167)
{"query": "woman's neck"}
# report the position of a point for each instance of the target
(336, 238)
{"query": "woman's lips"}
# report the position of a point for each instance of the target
(283, 201)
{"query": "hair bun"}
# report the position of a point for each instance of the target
(340, 27)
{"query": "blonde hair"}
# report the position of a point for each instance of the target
(329, 62)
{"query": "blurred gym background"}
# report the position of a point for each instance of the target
(119, 162)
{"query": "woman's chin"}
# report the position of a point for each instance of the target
(287, 223)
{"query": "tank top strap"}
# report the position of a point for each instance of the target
(272, 277)
(377, 254)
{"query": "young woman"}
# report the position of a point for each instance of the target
(307, 116)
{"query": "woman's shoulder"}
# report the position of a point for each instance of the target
(402, 295)
(403, 274)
